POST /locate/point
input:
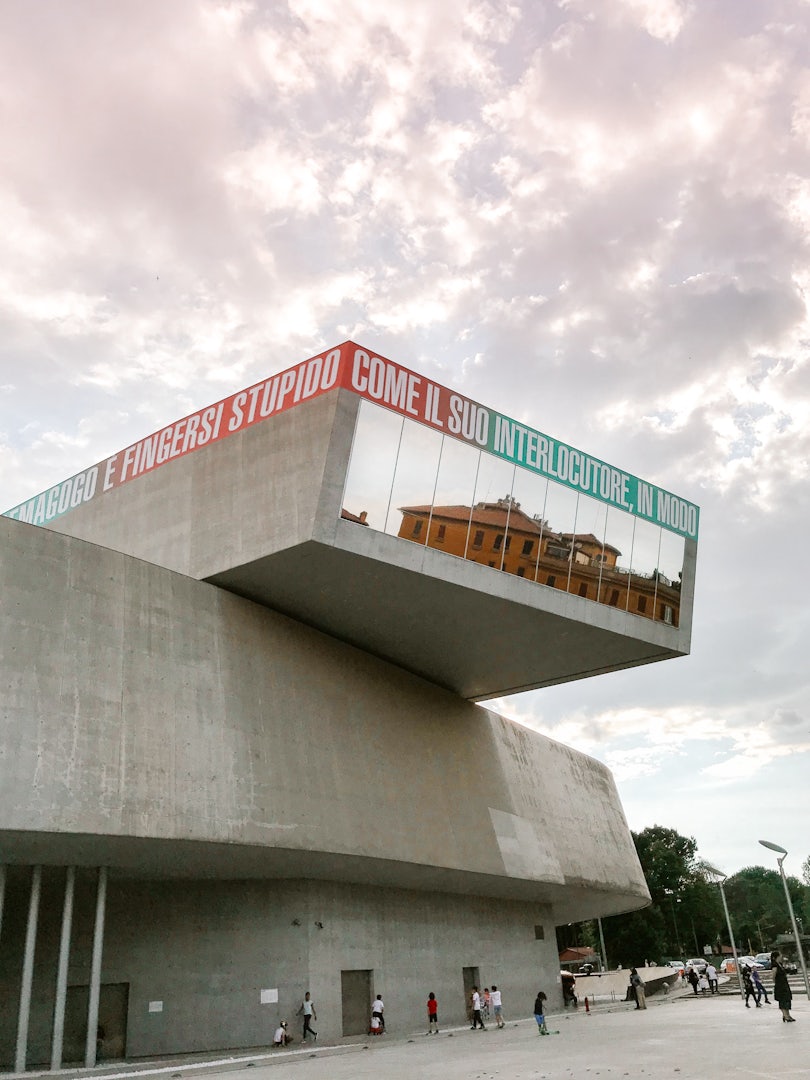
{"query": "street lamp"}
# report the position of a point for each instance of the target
(782, 853)
(668, 892)
(721, 877)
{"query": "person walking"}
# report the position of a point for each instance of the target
(748, 985)
(307, 1009)
(433, 1015)
(540, 1013)
(781, 989)
(378, 1010)
(476, 1010)
(760, 990)
(693, 980)
(485, 1002)
(638, 985)
(711, 975)
(497, 1006)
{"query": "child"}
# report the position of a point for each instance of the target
(539, 1013)
(433, 1015)
(281, 1038)
(497, 1006)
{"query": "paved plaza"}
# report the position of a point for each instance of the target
(679, 1037)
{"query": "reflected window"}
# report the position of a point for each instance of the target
(478, 539)
(417, 528)
(551, 580)
(528, 545)
(521, 572)
(614, 597)
(642, 604)
(442, 532)
(667, 614)
(583, 589)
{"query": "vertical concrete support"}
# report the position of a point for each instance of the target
(95, 970)
(24, 1014)
(2, 895)
(62, 971)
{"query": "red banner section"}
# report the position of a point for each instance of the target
(268, 398)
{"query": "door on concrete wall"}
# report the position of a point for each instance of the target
(112, 1022)
(471, 978)
(355, 987)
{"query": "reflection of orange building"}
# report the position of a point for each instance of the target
(503, 536)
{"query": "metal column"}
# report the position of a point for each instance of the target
(62, 972)
(95, 970)
(28, 971)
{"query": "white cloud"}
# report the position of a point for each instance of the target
(592, 217)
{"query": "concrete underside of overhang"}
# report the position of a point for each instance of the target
(465, 627)
(149, 859)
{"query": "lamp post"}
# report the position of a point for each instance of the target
(781, 853)
(721, 877)
(602, 943)
(669, 893)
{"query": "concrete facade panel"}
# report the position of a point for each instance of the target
(230, 940)
(193, 715)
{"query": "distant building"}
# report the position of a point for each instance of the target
(499, 534)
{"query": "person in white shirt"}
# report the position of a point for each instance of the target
(281, 1038)
(378, 1010)
(497, 1008)
(711, 975)
(476, 1010)
(307, 1009)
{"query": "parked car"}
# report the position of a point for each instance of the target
(678, 964)
(764, 960)
(745, 961)
(698, 963)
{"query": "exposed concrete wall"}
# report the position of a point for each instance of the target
(234, 501)
(207, 949)
(143, 704)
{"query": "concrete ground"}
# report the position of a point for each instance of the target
(679, 1037)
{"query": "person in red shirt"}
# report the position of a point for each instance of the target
(433, 1015)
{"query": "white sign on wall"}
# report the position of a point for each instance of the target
(268, 997)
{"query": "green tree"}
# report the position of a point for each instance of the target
(686, 911)
(806, 871)
(759, 912)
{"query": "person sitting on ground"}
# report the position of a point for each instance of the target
(281, 1037)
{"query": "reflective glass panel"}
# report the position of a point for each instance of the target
(526, 530)
(643, 579)
(618, 557)
(414, 483)
(670, 564)
(454, 498)
(588, 554)
(371, 466)
(560, 517)
(491, 508)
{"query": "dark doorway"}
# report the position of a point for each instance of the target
(111, 1042)
(355, 988)
(471, 978)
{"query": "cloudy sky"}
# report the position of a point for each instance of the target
(590, 216)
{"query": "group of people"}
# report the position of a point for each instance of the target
(480, 1005)
(704, 981)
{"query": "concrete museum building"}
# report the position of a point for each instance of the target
(242, 753)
